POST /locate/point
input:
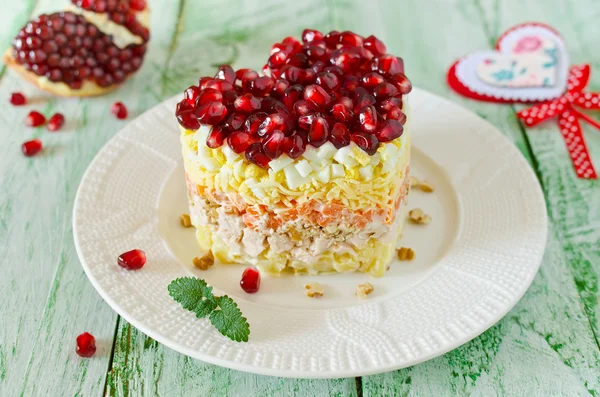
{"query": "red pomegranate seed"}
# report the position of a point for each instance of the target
(392, 130)
(306, 121)
(346, 59)
(387, 65)
(294, 146)
(229, 98)
(329, 81)
(301, 108)
(319, 132)
(351, 83)
(396, 114)
(317, 97)
(191, 94)
(307, 76)
(291, 73)
(209, 95)
(292, 94)
(332, 39)
(219, 85)
(275, 121)
(239, 141)
(256, 155)
(278, 59)
(187, 119)
(17, 99)
(367, 118)
(234, 122)
(309, 35)
(384, 91)
(278, 47)
(349, 39)
(239, 74)
(132, 260)
(56, 122)
(273, 144)
(216, 137)
(316, 53)
(362, 101)
(279, 89)
(386, 105)
(375, 45)
(226, 73)
(401, 82)
(119, 110)
(250, 281)
(247, 103)
(340, 136)
(367, 142)
(344, 100)
(35, 119)
(211, 113)
(203, 82)
(292, 42)
(342, 113)
(253, 123)
(85, 345)
(31, 148)
(299, 59)
(371, 80)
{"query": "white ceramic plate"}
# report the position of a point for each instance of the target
(473, 261)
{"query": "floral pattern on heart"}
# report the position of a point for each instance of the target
(533, 62)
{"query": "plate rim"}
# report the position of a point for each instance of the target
(328, 374)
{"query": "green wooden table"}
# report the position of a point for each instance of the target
(548, 345)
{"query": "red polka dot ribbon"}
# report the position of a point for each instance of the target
(568, 118)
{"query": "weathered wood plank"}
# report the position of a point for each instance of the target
(43, 290)
(544, 346)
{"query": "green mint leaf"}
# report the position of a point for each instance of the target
(194, 295)
(229, 320)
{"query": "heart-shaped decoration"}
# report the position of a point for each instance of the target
(530, 64)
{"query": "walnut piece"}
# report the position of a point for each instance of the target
(185, 220)
(205, 262)
(313, 290)
(406, 254)
(362, 290)
(419, 217)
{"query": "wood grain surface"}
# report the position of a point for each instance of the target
(546, 346)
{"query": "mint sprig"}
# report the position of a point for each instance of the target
(196, 295)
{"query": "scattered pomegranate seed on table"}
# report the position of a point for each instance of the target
(86, 345)
(31, 148)
(119, 110)
(17, 99)
(56, 122)
(35, 119)
(132, 260)
(250, 281)
(338, 87)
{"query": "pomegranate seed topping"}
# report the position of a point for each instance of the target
(319, 132)
(351, 83)
(362, 101)
(191, 94)
(342, 113)
(229, 98)
(85, 345)
(307, 76)
(346, 59)
(136, 5)
(291, 73)
(275, 121)
(396, 114)
(299, 59)
(387, 64)
(250, 281)
(219, 85)
(17, 99)
(367, 142)
(349, 39)
(203, 82)
(211, 113)
(317, 97)
(31, 148)
(344, 100)
(247, 103)
(239, 141)
(316, 53)
(329, 81)
(216, 137)
(306, 121)
(340, 136)
(384, 91)
(187, 119)
(371, 80)
(332, 39)
(375, 45)
(254, 122)
(292, 94)
(273, 144)
(256, 155)
(209, 95)
(301, 108)
(294, 146)
(226, 73)
(234, 122)
(392, 130)
(119, 110)
(292, 42)
(368, 119)
(279, 89)
(278, 59)
(56, 122)
(35, 119)
(402, 83)
(262, 85)
(132, 260)
(278, 47)
(309, 35)
(386, 105)
(239, 74)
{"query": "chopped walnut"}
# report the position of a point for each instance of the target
(363, 290)
(205, 262)
(406, 254)
(419, 217)
(313, 290)
(426, 187)
(185, 220)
